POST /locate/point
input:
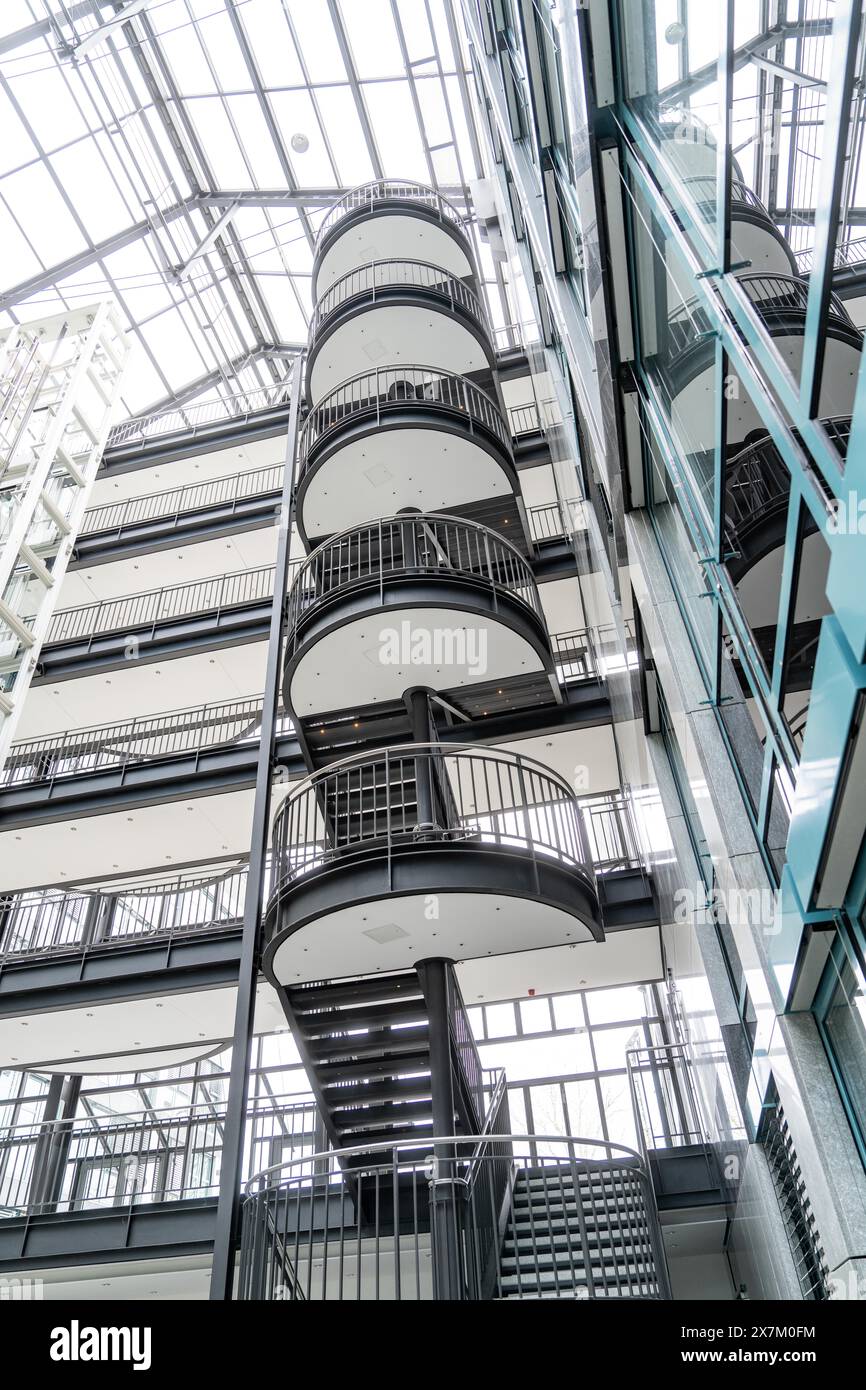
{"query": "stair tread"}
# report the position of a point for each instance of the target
(374, 1017)
(379, 1116)
(367, 987)
(353, 1073)
(367, 1047)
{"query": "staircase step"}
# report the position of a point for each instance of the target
(359, 991)
(400, 1114)
(397, 1088)
(375, 1017)
(370, 1044)
(396, 1064)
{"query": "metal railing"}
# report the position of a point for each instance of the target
(366, 195)
(368, 281)
(795, 1206)
(535, 417)
(162, 605)
(192, 419)
(409, 544)
(611, 832)
(555, 520)
(704, 190)
(756, 479)
(772, 295)
(575, 655)
(847, 253)
(373, 394)
(667, 1108)
(48, 922)
(477, 797)
(194, 497)
(98, 1161)
(373, 1222)
(56, 756)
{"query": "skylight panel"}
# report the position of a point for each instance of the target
(16, 147)
(256, 140)
(19, 260)
(187, 61)
(44, 217)
(222, 150)
(14, 15)
(317, 39)
(296, 115)
(416, 31)
(372, 36)
(270, 38)
(47, 106)
(351, 152)
(173, 347)
(286, 311)
(396, 129)
(103, 211)
(224, 52)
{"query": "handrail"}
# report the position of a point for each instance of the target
(45, 921)
(612, 1150)
(409, 543)
(487, 796)
(677, 1101)
(391, 274)
(770, 293)
(187, 419)
(740, 191)
(393, 388)
(553, 520)
(161, 605)
(366, 195)
(131, 741)
(847, 253)
(110, 1160)
(191, 497)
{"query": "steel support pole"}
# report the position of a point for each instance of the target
(446, 1192)
(231, 1173)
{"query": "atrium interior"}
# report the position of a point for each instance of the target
(433, 650)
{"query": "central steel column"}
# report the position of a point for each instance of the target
(231, 1172)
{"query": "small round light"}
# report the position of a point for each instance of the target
(675, 33)
(300, 143)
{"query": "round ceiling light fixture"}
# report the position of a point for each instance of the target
(300, 142)
(675, 33)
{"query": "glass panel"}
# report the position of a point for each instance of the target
(670, 60)
(845, 1030)
(677, 350)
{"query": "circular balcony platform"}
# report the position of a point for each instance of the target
(780, 301)
(755, 238)
(425, 850)
(388, 220)
(411, 600)
(400, 437)
(392, 312)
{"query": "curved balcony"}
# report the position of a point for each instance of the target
(440, 443)
(755, 238)
(393, 312)
(359, 848)
(781, 302)
(411, 600)
(390, 218)
(757, 493)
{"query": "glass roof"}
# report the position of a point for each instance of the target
(183, 159)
